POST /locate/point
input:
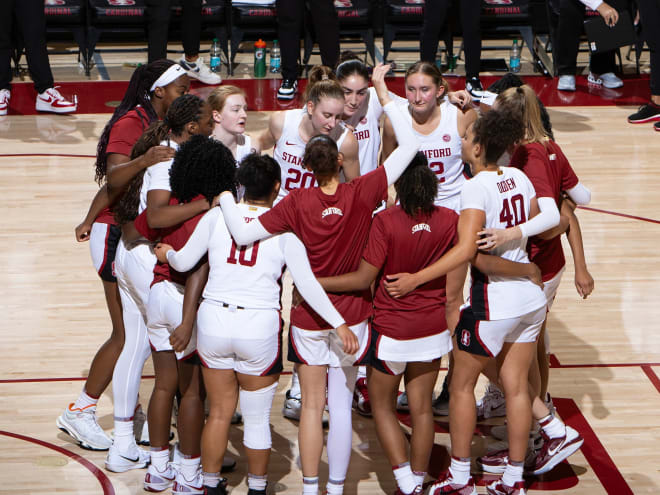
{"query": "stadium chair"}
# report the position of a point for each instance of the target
(251, 22)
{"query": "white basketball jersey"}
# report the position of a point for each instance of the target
(443, 151)
(367, 133)
(289, 151)
(244, 149)
(248, 276)
(505, 196)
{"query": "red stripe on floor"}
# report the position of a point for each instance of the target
(646, 368)
(624, 215)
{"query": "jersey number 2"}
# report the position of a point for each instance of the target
(438, 169)
(242, 257)
(513, 212)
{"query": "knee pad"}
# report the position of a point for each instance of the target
(255, 407)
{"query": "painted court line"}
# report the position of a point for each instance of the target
(105, 482)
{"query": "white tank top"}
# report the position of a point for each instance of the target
(443, 151)
(289, 151)
(244, 149)
(505, 197)
(367, 134)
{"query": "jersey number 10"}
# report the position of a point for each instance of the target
(242, 257)
(513, 212)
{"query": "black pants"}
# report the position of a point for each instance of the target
(290, 15)
(569, 29)
(649, 11)
(31, 20)
(158, 22)
(435, 17)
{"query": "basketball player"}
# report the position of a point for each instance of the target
(504, 315)
(229, 119)
(239, 324)
(188, 115)
(290, 130)
(150, 92)
(332, 221)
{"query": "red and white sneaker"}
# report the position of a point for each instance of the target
(183, 486)
(361, 398)
(157, 481)
(5, 95)
(555, 450)
(495, 462)
(52, 101)
(446, 485)
(499, 488)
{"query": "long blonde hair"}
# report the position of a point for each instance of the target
(523, 102)
(219, 95)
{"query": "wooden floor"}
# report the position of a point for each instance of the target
(606, 349)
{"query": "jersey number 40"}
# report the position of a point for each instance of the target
(513, 211)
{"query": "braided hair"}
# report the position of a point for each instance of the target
(417, 187)
(202, 166)
(182, 111)
(137, 93)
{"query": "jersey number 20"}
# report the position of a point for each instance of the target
(298, 180)
(513, 212)
(242, 257)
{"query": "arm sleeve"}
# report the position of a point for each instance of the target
(545, 220)
(296, 260)
(187, 257)
(580, 194)
(400, 158)
(243, 233)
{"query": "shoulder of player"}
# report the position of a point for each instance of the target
(276, 123)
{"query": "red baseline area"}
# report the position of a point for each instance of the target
(103, 96)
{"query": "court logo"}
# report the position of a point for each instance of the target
(465, 338)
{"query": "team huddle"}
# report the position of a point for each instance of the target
(193, 228)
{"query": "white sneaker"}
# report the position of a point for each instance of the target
(402, 402)
(566, 83)
(121, 461)
(608, 80)
(492, 404)
(52, 101)
(292, 407)
(200, 71)
(81, 424)
(157, 481)
(183, 486)
(5, 95)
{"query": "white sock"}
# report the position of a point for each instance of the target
(256, 482)
(124, 436)
(404, 477)
(310, 485)
(189, 467)
(211, 479)
(553, 426)
(334, 487)
(460, 470)
(84, 401)
(159, 458)
(513, 473)
(419, 477)
(294, 390)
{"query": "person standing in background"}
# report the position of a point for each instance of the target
(157, 14)
(649, 11)
(31, 20)
(435, 19)
(290, 14)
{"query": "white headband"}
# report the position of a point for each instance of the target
(171, 74)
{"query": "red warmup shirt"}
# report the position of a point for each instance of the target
(123, 135)
(334, 230)
(401, 244)
(550, 172)
(176, 237)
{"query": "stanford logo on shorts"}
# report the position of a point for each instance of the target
(465, 338)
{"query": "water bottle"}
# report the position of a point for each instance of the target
(215, 56)
(260, 58)
(514, 57)
(275, 57)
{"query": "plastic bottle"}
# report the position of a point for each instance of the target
(214, 63)
(275, 57)
(514, 57)
(260, 58)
